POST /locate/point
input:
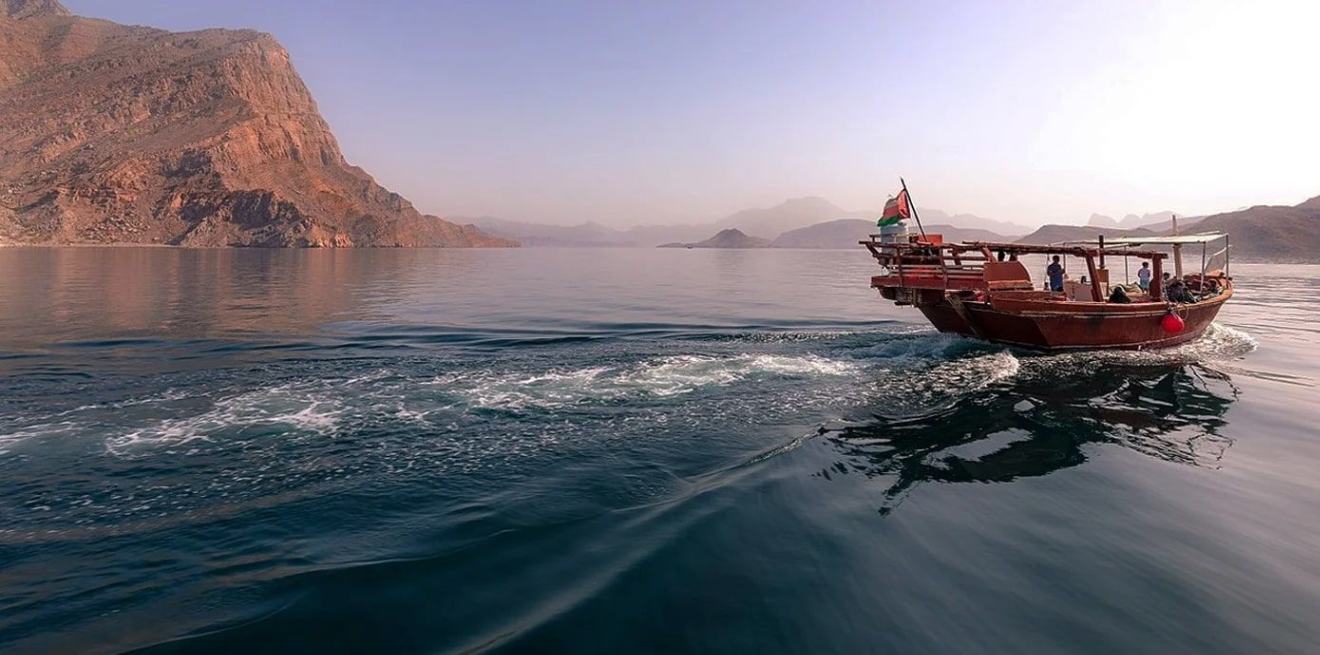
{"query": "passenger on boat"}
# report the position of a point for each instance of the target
(1055, 273)
(1119, 296)
(1143, 276)
(1177, 292)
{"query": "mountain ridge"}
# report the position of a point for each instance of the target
(1275, 232)
(845, 233)
(19, 9)
(789, 215)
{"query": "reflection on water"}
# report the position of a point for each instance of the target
(75, 294)
(1041, 424)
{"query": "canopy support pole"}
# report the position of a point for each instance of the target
(1097, 292)
(1157, 279)
(1177, 251)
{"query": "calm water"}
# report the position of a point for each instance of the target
(602, 451)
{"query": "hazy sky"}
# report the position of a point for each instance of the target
(633, 112)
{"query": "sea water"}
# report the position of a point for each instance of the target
(603, 451)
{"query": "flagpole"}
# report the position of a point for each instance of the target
(914, 208)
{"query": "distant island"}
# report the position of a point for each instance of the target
(116, 134)
(730, 238)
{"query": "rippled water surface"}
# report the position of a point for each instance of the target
(602, 451)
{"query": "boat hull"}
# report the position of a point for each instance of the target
(1084, 326)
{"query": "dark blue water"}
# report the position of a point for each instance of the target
(602, 451)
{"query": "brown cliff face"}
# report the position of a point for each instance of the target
(117, 134)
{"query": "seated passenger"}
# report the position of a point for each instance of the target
(1118, 295)
(1177, 292)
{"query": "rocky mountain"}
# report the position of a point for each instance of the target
(729, 238)
(1274, 232)
(1263, 232)
(845, 233)
(120, 134)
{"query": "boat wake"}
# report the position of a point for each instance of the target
(654, 379)
(245, 436)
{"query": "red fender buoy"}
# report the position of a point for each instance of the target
(1172, 323)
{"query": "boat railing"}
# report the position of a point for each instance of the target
(935, 264)
(920, 263)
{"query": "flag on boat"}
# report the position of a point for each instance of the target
(896, 209)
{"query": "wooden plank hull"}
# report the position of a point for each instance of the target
(1073, 326)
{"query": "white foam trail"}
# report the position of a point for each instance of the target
(662, 377)
(300, 408)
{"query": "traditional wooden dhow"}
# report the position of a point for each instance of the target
(982, 290)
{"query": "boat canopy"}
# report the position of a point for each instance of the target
(1079, 249)
(1208, 237)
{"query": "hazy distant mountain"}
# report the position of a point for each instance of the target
(1048, 234)
(952, 233)
(589, 234)
(535, 234)
(789, 215)
(1154, 218)
(1269, 231)
(730, 238)
(1100, 220)
(1008, 229)
(845, 233)
(651, 235)
(1150, 221)
(1165, 223)
(813, 210)
(1262, 232)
